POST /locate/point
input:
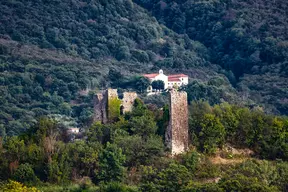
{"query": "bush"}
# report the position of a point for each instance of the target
(111, 162)
(173, 178)
(116, 187)
(14, 186)
(25, 174)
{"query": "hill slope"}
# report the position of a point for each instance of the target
(250, 38)
(51, 50)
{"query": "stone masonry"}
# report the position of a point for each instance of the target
(101, 103)
(128, 101)
(111, 93)
(177, 132)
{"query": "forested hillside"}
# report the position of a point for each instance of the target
(50, 51)
(248, 37)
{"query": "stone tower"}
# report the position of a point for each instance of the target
(177, 132)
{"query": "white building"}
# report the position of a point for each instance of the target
(73, 130)
(170, 81)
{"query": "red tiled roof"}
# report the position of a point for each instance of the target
(173, 79)
(152, 75)
(178, 75)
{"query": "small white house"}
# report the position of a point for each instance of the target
(170, 81)
(177, 80)
(73, 130)
(158, 76)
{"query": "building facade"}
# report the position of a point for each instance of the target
(170, 81)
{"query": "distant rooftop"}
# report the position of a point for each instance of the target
(174, 77)
(152, 75)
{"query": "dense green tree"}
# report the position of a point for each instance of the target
(159, 85)
(228, 117)
(211, 133)
(84, 157)
(99, 132)
(15, 149)
(144, 126)
(115, 77)
(25, 174)
(139, 151)
(111, 162)
(141, 84)
(173, 178)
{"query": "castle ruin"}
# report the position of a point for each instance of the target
(102, 103)
(176, 135)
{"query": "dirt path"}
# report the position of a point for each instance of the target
(219, 160)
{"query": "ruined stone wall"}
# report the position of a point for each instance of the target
(112, 93)
(100, 103)
(103, 100)
(128, 101)
(177, 132)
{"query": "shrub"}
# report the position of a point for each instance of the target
(25, 174)
(116, 187)
(14, 186)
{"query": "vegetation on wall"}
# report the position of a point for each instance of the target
(113, 108)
